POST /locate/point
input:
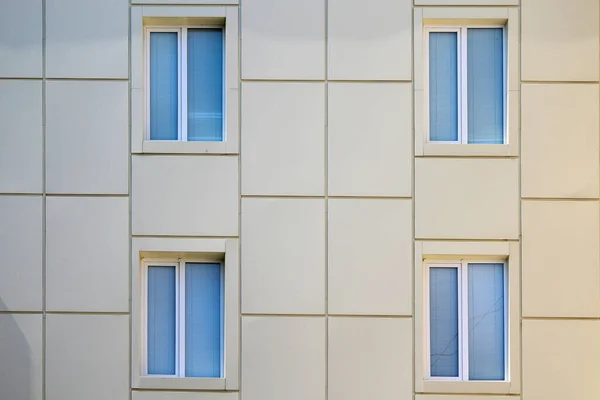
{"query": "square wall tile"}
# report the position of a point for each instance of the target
(283, 39)
(370, 256)
(370, 139)
(560, 40)
(87, 357)
(560, 359)
(466, 198)
(87, 39)
(87, 254)
(185, 195)
(21, 249)
(283, 254)
(21, 138)
(283, 358)
(21, 355)
(561, 265)
(283, 126)
(559, 140)
(370, 358)
(21, 33)
(87, 142)
(369, 42)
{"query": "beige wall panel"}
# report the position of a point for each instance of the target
(370, 139)
(87, 357)
(162, 395)
(20, 135)
(284, 138)
(463, 397)
(21, 357)
(283, 39)
(21, 33)
(87, 254)
(561, 266)
(87, 137)
(560, 40)
(87, 39)
(560, 359)
(559, 142)
(370, 262)
(188, 196)
(467, 3)
(283, 358)
(466, 198)
(21, 249)
(283, 255)
(370, 358)
(369, 41)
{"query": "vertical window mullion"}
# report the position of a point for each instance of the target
(464, 292)
(183, 86)
(181, 316)
(464, 133)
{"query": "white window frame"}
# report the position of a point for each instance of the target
(463, 323)
(462, 81)
(179, 265)
(182, 82)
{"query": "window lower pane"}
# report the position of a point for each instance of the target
(485, 85)
(164, 91)
(161, 320)
(205, 85)
(443, 87)
(443, 314)
(486, 321)
(203, 320)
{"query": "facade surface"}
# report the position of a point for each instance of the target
(324, 201)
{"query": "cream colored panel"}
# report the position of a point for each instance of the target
(21, 250)
(87, 357)
(560, 359)
(466, 3)
(369, 42)
(370, 358)
(466, 198)
(283, 39)
(560, 40)
(87, 39)
(283, 358)
(87, 254)
(87, 137)
(21, 44)
(370, 264)
(185, 196)
(162, 395)
(283, 255)
(463, 397)
(284, 138)
(20, 135)
(21, 357)
(560, 148)
(370, 139)
(561, 266)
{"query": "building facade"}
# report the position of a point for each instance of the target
(315, 199)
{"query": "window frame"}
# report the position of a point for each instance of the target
(179, 264)
(462, 80)
(462, 266)
(182, 81)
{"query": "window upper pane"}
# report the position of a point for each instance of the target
(164, 89)
(443, 301)
(443, 86)
(161, 320)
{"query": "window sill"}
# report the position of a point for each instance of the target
(173, 383)
(479, 387)
(470, 150)
(175, 147)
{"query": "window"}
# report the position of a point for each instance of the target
(467, 321)
(183, 318)
(466, 79)
(185, 83)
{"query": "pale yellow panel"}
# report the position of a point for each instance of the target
(560, 360)
(560, 40)
(560, 140)
(561, 267)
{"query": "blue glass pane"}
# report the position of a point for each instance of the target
(203, 320)
(163, 86)
(443, 87)
(443, 319)
(205, 85)
(485, 85)
(486, 321)
(161, 320)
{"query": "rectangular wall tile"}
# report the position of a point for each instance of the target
(162, 395)
(21, 33)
